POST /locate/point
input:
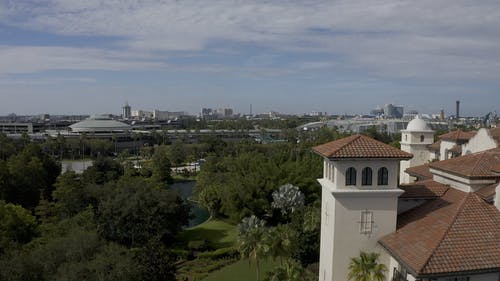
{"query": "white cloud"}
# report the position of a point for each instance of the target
(35, 59)
(45, 81)
(417, 39)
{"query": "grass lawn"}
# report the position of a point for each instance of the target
(242, 271)
(217, 233)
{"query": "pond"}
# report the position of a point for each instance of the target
(78, 166)
(185, 190)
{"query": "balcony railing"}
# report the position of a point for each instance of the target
(398, 276)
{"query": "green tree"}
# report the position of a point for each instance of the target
(70, 250)
(70, 194)
(366, 268)
(161, 166)
(178, 152)
(290, 271)
(103, 170)
(209, 198)
(288, 199)
(32, 172)
(156, 263)
(17, 225)
(131, 213)
(282, 241)
(251, 240)
(7, 147)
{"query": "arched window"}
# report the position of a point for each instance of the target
(366, 176)
(422, 138)
(383, 176)
(406, 137)
(350, 176)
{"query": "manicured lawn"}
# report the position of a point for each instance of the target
(242, 271)
(218, 234)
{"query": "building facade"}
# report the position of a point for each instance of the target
(443, 224)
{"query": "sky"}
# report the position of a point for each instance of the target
(340, 57)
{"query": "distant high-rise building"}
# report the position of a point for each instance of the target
(377, 112)
(166, 115)
(458, 109)
(393, 111)
(127, 111)
(224, 112)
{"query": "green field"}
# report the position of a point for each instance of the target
(242, 271)
(217, 233)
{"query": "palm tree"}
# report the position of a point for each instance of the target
(251, 240)
(281, 241)
(290, 271)
(366, 268)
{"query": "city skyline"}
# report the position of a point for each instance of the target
(90, 57)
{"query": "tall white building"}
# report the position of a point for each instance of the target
(415, 140)
(359, 200)
(127, 111)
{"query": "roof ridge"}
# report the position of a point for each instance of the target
(478, 162)
(459, 210)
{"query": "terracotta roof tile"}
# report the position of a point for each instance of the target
(457, 232)
(456, 149)
(423, 189)
(496, 168)
(421, 172)
(360, 146)
(457, 136)
(495, 134)
(477, 165)
(487, 192)
(435, 146)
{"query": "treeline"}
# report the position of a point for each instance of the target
(113, 222)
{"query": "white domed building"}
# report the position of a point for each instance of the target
(415, 140)
(99, 125)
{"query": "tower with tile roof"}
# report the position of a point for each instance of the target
(359, 200)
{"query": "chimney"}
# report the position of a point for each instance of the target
(458, 110)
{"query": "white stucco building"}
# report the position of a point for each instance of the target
(359, 200)
(445, 226)
(415, 140)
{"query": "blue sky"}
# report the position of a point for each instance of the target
(90, 56)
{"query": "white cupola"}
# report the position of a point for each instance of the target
(415, 140)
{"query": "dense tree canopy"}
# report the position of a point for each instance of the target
(242, 184)
(132, 213)
(27, 176)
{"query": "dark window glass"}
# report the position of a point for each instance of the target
(366, 176)
(350, 176)
(383, 176)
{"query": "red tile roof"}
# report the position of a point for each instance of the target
(423, 189)
(421, 172)
(360, 146)
(477, 165)
(456, 149)
(457, 136)
(458, 232)
(487, 192)
(496, 168)
(495, 134)
(435, 146)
